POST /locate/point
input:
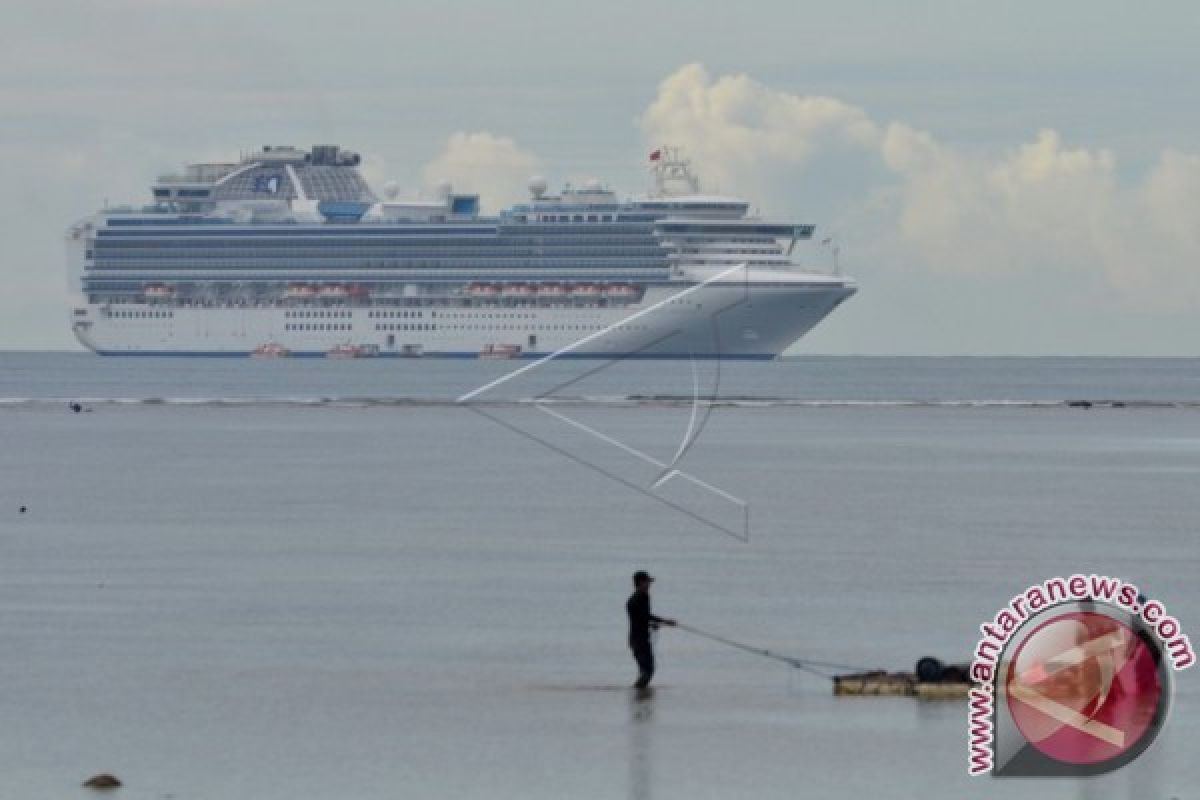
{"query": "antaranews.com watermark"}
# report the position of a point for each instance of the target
(1072, 678)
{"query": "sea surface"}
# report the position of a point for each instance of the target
(298, 579)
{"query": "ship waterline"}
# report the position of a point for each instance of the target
(288, 251)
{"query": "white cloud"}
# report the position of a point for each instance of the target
(493, 166)
(1168, 215)
(1042, 208)
(739, 129)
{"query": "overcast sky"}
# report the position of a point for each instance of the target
(1005, 178)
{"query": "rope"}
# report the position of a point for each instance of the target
(820, 668)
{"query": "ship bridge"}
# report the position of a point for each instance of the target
(694, 242)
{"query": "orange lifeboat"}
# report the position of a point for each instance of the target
(300, 291)
(496, 351)
(353, 351)
(622, 291)
(158, 291)
(270, 350)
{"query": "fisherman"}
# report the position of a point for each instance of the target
(641, 622)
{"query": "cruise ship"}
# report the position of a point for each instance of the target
(288, 252)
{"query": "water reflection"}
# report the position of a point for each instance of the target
(1142, 777)
(641, 743)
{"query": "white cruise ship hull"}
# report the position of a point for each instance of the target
(742, 320)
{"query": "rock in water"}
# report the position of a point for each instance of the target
(103, 781)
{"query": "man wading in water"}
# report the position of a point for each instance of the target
(641, 622)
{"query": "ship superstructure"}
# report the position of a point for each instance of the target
(290, 250)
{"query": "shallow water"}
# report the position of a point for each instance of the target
(370, 602)
(809, 379)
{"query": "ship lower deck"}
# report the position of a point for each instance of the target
(705, 321)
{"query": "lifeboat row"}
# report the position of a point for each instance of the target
(327, 291)
(157, 291)
(618, 291)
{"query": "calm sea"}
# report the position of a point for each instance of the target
(311, 579)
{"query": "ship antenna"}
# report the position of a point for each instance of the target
(832, 243)
(670, 167)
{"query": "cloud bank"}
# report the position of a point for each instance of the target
(1044, 209)
(493, 166)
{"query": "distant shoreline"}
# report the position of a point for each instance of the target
(797, 357)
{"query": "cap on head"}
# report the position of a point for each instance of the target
(641, 576)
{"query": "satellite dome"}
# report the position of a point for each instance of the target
(537, 186)
(593, 185)
(391, 189)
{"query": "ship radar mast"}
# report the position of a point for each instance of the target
(672, 172)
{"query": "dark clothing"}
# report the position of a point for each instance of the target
(643, 654)
(640, 618)
(640, 621)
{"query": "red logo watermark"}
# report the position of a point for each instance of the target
(1073, 678)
